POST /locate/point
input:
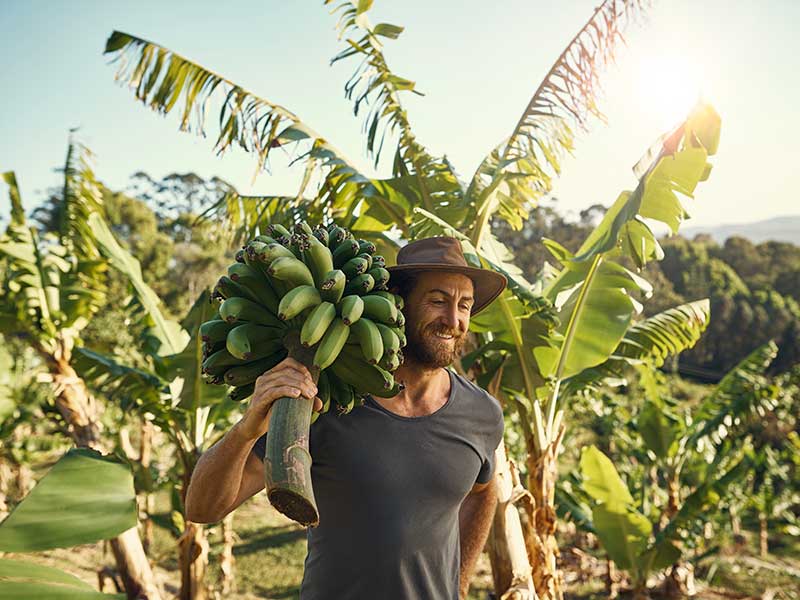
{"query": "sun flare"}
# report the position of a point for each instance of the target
(668, 86)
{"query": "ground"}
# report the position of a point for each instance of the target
(270, 550)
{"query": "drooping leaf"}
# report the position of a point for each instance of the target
(734, 395)
(22, 580)
(17, 212)
(84, 498)
(171, 337)
(601, 480)
(649, 341)
(164, 80)
(623, 532)
(657, 428)
(516, 173)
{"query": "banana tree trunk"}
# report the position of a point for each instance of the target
(679, 582)
(79, 410)
(148, 504)
(227, 561)
(763, 535)
(511, 569)
(540, 533)
(193, 562)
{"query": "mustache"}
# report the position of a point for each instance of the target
(438, 330)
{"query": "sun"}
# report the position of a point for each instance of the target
(669, 84)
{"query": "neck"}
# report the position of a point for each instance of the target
(421, 382)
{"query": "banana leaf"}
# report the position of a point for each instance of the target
(21, 580)
(84, 498)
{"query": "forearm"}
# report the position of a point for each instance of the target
(475, 520)
(217, 477)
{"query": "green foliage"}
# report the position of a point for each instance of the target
(85, 497)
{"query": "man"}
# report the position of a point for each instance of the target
(404, 484)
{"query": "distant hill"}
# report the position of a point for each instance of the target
(782, 229)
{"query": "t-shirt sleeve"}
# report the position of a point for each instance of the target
(260, 448)
(493, 438)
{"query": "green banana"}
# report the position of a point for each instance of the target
(331, 344)
(279, 233)
(318, 258)
(401, 319)
(263, 255)
(265, 239)
(343, 394)
(350, 309)
(297, 300)
(219, 362)
(228, 288)
(401, 335)
(236, 310)
(215, 331)
(390, 362)
(208, 348)
(398, 302)
(322, 234)
(365, 247)
(380, 275)
(355, 266)
(378, 261)
(256, 283)
(304, 227)
(360, 285)
(366, 377)
(291, 271)
(366, 257)
(380, 309)
(344, 252)
(324, 394)
(317, 323)
(250, 342)
(238, 394)
(332, 288)
(239, 256)
(336, 237)
(248, 373)
(369, 339)
(391, 342)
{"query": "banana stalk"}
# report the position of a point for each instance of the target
(287, 462)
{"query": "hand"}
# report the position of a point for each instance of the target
(289, 378)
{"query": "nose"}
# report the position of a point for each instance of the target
(451, 317)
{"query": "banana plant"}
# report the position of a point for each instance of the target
(85, 497)
(696, 455)
(172, 394)
(50, 288)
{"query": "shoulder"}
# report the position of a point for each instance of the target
(482, 400)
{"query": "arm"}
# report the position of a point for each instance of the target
(229, 473)
(475, 520)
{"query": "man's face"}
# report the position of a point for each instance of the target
(437, 317)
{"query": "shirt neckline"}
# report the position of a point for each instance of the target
(394, 415)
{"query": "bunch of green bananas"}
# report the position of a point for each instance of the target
(319, 286)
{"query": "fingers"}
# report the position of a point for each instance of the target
(290, 363)
(317, 404)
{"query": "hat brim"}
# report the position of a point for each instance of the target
(488, 285)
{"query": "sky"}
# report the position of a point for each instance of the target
(478, 64)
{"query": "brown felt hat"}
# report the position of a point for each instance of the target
(445, 254)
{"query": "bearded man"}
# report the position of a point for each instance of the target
(403, 485)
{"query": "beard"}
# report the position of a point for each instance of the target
(430, 351)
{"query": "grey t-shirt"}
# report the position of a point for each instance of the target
(389, 489)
